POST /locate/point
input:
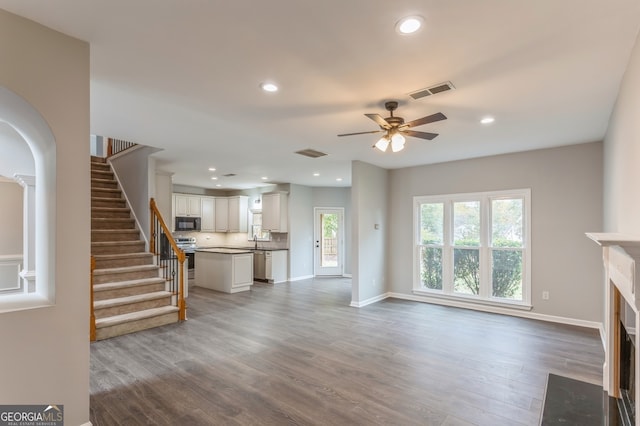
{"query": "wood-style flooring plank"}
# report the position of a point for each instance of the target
(297, 354)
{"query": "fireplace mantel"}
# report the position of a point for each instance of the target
(621, 254)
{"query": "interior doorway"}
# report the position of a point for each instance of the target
(328, 241)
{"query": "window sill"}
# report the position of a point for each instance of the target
(472, 300)
(20, 302)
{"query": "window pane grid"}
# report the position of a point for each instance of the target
(474, 245)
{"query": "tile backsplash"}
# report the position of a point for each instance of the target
(222, 239)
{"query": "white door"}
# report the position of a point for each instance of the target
(329, 241)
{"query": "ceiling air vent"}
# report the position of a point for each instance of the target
(438, 88)
(311, 153)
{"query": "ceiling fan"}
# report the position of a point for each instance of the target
(394, 128)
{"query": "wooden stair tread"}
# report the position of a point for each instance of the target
(114, 231)
(109, 209)
(134, 316)
(116, 243)
(123, 269)
(121, 256)
(130, 283)
(108, 303)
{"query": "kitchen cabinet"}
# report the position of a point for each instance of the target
(231, 213)
(275, 211)
(187, 205)
(226, 270)
(222, 214)
(208, 223)
(275, 265)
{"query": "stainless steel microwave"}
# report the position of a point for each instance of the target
(187, 223)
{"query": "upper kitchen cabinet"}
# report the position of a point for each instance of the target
(187, 205)
(231, 214)
(275, 211)
(208, 214)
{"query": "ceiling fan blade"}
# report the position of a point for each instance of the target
(425, 120)
(421, 135)
(361, 133)
(379, 120)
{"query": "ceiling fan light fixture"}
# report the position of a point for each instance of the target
(409, 24)
(397, 142)
(382, 144)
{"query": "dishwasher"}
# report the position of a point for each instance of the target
(259, 272)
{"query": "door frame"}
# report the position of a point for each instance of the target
(316, 237)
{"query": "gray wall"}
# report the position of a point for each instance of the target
(338, 197)
(45, 351)
(369, 202)
(566, 199)
(622, 155)
(132, 168)
(300, 231)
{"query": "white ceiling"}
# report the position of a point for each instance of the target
(184, 75)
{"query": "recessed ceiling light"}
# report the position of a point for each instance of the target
(212, 169)
(409, 24)
(339, 179)
(269, 87)
(487, 120)
(214, 177)
(218, 185)
(316, 174)
(264, 178)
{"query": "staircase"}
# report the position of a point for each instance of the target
(129, 293)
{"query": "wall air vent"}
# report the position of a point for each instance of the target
(311, 153)
(229, 175)
(438, 88)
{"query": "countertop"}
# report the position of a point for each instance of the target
(244, 249)
(223, 250)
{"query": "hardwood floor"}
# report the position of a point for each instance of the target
(296, 353)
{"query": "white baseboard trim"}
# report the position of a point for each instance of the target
(369, 301)
(346, 275)
(499, 310)
(87, 424)
(304, 277)
(603, 337)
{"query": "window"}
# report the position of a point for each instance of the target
(256, 233)
(474, 247)
(37, 286)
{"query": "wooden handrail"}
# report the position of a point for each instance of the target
(92, 321)
(156, 217)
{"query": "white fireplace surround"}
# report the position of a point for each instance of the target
(620, 253)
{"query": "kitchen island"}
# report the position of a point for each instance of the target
(224, 269)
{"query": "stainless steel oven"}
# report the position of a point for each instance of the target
(188, 246)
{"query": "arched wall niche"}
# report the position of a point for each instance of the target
(40, 203)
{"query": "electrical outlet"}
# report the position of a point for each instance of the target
(545, 295)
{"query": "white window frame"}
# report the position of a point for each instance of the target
(39, 275)
(485, 297)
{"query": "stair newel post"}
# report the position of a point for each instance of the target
(152, 233)
(92, 320)
(181, 303)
